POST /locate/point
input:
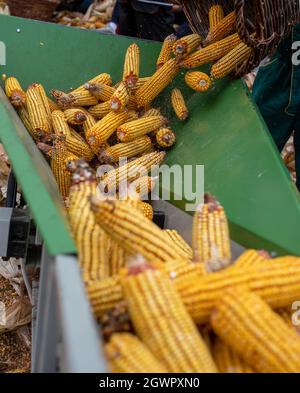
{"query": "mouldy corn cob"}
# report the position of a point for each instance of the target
(131, 171)
(231, 61)
(142, 186)
(100, 110)
(249, 326)
(120, 98)
(14, 91)
(165, 138)
(104, 294)
(174, 235)
(211, 52)
(101, 91)
(135, 233)
(130, 149)
(75, 116)
(166, 50)
(228, 361)
(59, 122)
(104, 128)
(211, 241)
(132, 66)
(216, 14)
(222, 30)
(161, 320)
(187, 44)
(37, 113)
(137, 128)
(127, 354)
(90, 239)
(115, 321)
(157, 83)
(198, 81)
(276, 282)
(179, 105)
(60, 158)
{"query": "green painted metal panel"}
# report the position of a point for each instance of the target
(36, 181)
(225, 131)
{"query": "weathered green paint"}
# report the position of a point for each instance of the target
(36, 181)
(225, 131)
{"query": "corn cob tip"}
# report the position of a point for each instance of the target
(138, 264)
(17, 98)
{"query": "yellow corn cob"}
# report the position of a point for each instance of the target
(100, 110)
(40, 89)
(77, 145)
(256, 333)
(53, 105)
(140, 83)
(152, 112)
(187, 44)
(211, 241)
(165, 137)
(101, 91)
(161, 320)
(132, 66)
(228, 361)
(14, 92)
(179, 104)
(290, 318)
(127, 354)
(198, 81)
(118, 258)
(231, 61)
(91, 241)
(132, 115)
(137, 128)
(59, 122)
(101, 79)
(132, 104)
(166, 50)
(174, 235)
(89, 123)
(132, 171)
(157, 83)
(147, 210)
(251, 258)
(134, 232)
(276, 282)
(75, 116)
(80, 98)
(104, 128)
(37, 113)
(130, 149)
(60, 158)
(120, 98)
(222, 30)
(211, 52)
(104, 294)
(142, 186)
(216, 14)
(24, 116)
